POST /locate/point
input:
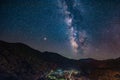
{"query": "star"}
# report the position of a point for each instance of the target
(44, 38)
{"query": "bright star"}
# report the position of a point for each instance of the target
(45, 38)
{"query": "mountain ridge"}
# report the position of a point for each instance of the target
(24, 63)
(24, 45)
(21, 48)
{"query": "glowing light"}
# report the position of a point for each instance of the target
(45, 38)
(72, 40)
(68, 21)
(74, 45)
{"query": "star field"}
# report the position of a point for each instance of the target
(73, 28)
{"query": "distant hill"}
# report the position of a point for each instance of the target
(20, 62)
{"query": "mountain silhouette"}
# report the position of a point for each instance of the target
(20, 62)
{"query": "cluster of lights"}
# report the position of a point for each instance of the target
(60, 74)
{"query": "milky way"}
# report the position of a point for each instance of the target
(77, 36)
(72, 28)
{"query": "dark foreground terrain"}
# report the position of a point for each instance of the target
(20, 62)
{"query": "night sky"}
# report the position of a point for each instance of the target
(73, 28)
